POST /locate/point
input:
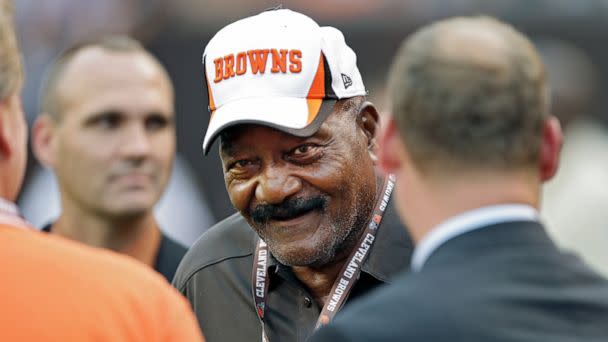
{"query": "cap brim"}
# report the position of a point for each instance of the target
(297, 116)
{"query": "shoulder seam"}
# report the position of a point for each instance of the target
(210, 263)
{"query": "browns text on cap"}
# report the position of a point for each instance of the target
(280, 69)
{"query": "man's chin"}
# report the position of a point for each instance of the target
(132, 200)
(130, 210)
(302, 257)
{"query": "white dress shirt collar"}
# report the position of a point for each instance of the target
(466, 222)
(9, 214)
(8, 208)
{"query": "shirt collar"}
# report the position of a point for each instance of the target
(9, 214)
(8, 208)
(466, 222)
(392, 248)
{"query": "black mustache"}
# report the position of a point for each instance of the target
(288, 209)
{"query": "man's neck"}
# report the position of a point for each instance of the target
(435, 203)
(138, 236)
(319, 281)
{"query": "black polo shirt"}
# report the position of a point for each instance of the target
(215, 276)
(170, 253)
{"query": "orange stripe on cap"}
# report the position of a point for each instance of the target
(211, 102)
(316, 93)
(313, 109)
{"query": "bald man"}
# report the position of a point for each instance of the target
(107, 131)
(470, 140)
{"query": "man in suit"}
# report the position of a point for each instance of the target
(471, 140)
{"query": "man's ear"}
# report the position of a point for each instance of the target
(390, 146)
(43, 140)
(550, 148)
(368, 120)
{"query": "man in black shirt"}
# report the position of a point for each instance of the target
(297, 141)
(107, 132)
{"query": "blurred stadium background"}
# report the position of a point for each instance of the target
(571, 36)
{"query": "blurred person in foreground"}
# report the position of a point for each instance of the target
(470, 140)
(58, 290)
(297, 140)
(107, 131)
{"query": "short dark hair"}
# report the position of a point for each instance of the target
(11, 67)
(454, 111)
(48, 93)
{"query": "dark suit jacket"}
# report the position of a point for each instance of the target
(505, 282)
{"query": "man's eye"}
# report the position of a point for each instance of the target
(239, 164)
(156, 122)
(302, 149)
(107, 121)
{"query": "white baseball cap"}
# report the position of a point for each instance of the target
(280, 69)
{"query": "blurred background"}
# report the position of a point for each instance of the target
(571, 36)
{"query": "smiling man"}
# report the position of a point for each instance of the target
(107, 132)
(297, 143)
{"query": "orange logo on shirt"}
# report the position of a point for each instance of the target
(256, 61)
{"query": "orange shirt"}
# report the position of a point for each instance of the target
(52, 289)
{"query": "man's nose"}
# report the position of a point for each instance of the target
(135, 142)
(276, 184)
